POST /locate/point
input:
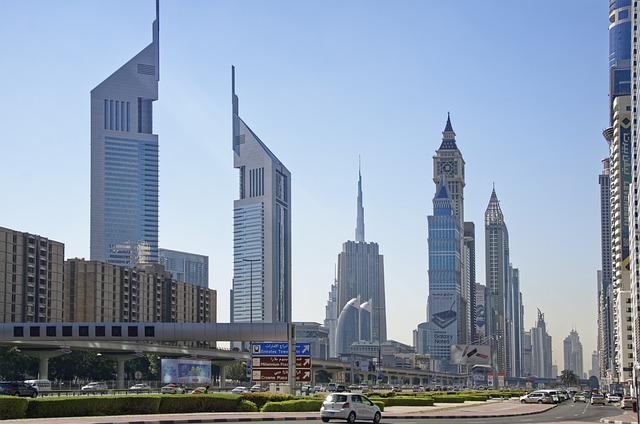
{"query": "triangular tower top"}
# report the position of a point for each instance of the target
(448, 136)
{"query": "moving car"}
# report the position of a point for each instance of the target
(536, 397)
(626, 402)
(17, 388)
(350, 407)
(597, 399)
(257, 388)
(613, 398)
(240, 389)
(200, 390)
(140, 387)
(172, 389)
(95, 387)
(579, 397)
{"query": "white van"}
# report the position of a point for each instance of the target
(41, 385)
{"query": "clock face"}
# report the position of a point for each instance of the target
(447, 167)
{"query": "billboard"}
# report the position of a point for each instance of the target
(470, 354)
(185, 371)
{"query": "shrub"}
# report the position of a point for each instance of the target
(92, 406)
(200, 403)
(296, 405)
(12, 407)
(409, 401)
(247, 406)
(261, 398)
(448, 399)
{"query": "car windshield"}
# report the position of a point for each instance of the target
(336, 398)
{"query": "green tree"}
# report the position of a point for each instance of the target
(81, 365)
(236, 371)
(148, 365)
(569, 378)
(15, 365)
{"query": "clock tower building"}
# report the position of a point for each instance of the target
(448, 162)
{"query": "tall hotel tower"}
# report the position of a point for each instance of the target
(448, 163)
(444, 324)
(124, 161)
(261, 229)
(618, 136)
(360, 289)
(497, 270)
(605, 311)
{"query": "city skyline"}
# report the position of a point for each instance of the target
(530, 126)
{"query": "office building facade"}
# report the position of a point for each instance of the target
(31, 278)
(187, 267)
(124, 162)
(261, 229)
(572, 351)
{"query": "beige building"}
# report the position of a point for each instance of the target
(31, 278)
(100, 292)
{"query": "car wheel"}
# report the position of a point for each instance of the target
(539, 401)
(352, 417)
(376, 418)
(325, 419)
(17, 394)
(34, 394)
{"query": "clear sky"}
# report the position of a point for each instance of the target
(321, 83)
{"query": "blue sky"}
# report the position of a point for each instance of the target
(321, 83)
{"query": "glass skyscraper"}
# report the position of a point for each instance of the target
(444, 324)
(261, 229)
(124, 162)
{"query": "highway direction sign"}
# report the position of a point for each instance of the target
(279, 349)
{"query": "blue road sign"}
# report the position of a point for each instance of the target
(279, 349)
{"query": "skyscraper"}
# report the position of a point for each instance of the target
(572, 350)
(360, 289)
(261, 229)
(444, 302)
(618, 136)
(124, 161)
(605, 338)
(448, 162)
(541, 353)
(497, 270)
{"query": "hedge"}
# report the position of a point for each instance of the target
(201, 403)
(261, 398)
(406, 401)
(296, 405)
(12, 407)
(92, 406)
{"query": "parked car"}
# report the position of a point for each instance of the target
(341, 388)
(350, 407)
(201, 390)
(627, 402)
(536, 397)
(579, 397)
(597, 399)
(17, 388)
(240, 389)
(95, 387)
(317, 389)
(140, 387)
(172, 389)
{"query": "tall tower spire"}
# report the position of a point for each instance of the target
(360, 217)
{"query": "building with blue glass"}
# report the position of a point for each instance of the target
(261, 229)
(615, 294)
(186, 267)
(444, 325)
(124, 161)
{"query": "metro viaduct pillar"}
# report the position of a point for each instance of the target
(43, 355)
(121, 359)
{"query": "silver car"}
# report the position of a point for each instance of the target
(350, 407)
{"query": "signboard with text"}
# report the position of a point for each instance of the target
(270, 362)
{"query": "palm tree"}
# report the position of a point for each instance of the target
(569, 378)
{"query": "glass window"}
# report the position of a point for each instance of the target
(18, 331)
(67, 331)
(34, 331)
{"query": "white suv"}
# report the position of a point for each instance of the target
(349, 406)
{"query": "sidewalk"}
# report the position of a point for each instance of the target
(626, 417)
(496, 408)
